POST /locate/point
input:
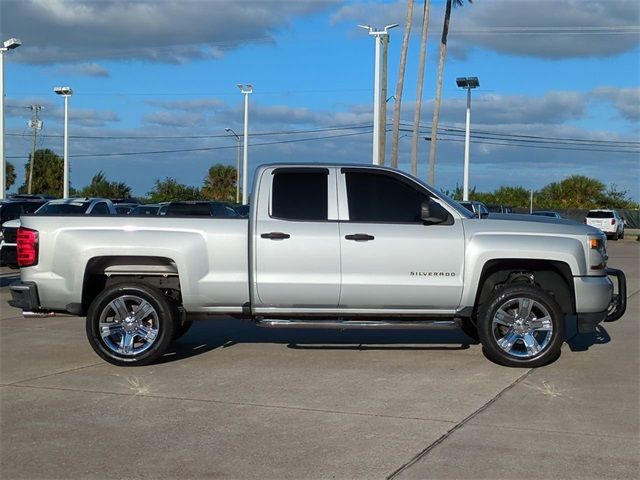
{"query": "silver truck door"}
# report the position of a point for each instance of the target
(390, 258)
(297, 247)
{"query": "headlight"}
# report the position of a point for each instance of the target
(597, 253)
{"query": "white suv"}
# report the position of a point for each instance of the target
(609, 221)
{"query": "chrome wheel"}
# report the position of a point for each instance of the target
(522, 327)
(129, 325)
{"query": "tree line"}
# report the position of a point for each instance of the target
(219, 183)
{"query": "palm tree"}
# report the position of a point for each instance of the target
(416, 112)
(220, 183)
(395, 136)
(438, 98)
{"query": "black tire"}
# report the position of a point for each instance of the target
(470, 329)
(521, 326)
(153, 328)
(615, 236)
(622, 235)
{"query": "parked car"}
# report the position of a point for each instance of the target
(200, 209)
(63, 206)
(124, 208)
(546, 213)
(499, 209)
(326, 246)
(478, 209)
(148, 209)
(609, 221)
(243, 210)
(11, 209)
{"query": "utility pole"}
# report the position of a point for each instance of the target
(36, 125)
(382, 134)
(377, 100)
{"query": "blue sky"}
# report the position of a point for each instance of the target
(552, 69)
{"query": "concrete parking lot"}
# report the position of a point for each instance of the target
(235, 401)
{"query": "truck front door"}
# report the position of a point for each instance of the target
(390, 258)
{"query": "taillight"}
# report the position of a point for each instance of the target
(613, 221)
(27, 247)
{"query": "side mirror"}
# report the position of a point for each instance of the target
(484, 214)
(432, 215)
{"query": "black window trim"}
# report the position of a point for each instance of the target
(450, 220)
(320, 170)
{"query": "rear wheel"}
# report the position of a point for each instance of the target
(521, 326)
(130, 324)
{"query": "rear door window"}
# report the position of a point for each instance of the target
(300, 194)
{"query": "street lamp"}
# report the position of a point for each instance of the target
(377, 101)
(230, 130)
(66, 92)
(7, 45)
(245, 90)
(468, 83)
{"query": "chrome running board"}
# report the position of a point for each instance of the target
(361, 324)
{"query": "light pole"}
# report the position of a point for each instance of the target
(245, 90)
(66, 92)
(230, 130)
(468, 83)
(377, 98)
(7, 45)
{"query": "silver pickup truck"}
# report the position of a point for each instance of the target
(325, 246)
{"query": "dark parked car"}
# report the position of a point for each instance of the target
(148, 209)
(200, 209)
(478, 209)
(546, 213)
(499, 209)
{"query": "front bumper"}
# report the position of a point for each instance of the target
(587, 322)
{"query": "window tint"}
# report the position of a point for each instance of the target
(64, 208)
(382, 198)
(597, 214)
(191, 209)
(299, 195)
(100, 208)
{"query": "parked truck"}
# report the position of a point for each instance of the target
(325, 246)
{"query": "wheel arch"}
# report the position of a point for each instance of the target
(553, 276)
(103, 271)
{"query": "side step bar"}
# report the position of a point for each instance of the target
(361, 324)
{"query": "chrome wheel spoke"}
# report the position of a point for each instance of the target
(533, 347)
(542, 324)
(120, 308)
(126, 343)
(109, 328)
(147, 334)
(144, 310)
(506, 343)
(503, 318)
(524, 307)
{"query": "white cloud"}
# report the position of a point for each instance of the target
(626, 100)
(533, 28)
(61, 31)
(86, 69)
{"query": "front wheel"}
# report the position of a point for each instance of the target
(130, 324)
(521, 326)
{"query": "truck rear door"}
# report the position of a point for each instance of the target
(297, 246)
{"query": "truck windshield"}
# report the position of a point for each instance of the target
(64, 208)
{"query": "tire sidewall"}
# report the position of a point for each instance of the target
(485, 326)
(165, 323)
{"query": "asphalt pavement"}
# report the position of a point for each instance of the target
(232, 400)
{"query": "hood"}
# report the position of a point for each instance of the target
(516, 223)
